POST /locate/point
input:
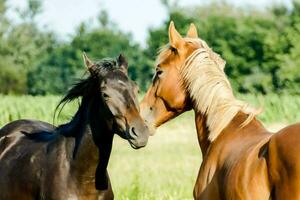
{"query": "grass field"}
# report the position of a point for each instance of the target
(168, 166)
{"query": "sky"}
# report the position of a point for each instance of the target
(134, 16)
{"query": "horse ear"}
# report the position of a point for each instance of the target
(192, 32)
(175, 38)
(88, 63)
(122, 63)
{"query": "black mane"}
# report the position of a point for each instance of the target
(86, 89)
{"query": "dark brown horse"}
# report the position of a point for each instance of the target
(241, 159)
(40, 161)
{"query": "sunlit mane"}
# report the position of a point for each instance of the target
(209, 87)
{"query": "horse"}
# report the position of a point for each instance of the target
(41, 161)
(241, 158)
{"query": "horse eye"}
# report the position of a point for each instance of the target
(158, 73)
(105, 95)
(174, 50)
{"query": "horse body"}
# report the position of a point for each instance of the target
(48, 170)
(235, 163)
(40, 161)
(251, 163)
(241, 159)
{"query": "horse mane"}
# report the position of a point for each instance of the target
(204, 77)
(86, 89)
(76, 127)
(163, 53)
(80, 89)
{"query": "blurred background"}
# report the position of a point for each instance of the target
(41, 45)
(41, 42)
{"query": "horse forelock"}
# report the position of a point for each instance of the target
(203, 76)
(86, 87)
(105, 65)
(163, 53)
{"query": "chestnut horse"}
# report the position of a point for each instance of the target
(40, 161)
(241, 158)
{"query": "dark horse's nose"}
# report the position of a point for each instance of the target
(139, 135)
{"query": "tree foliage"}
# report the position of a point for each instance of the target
(261, 48)
(61, 66)
(22, 45)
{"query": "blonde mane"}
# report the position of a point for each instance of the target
(204, 77)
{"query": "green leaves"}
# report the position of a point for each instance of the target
(61, 66)
(262, 48)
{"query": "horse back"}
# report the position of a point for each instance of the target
(28, 168)
(285, 145)
(25, 125)
(13, 132)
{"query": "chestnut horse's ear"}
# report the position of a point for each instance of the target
(88, 63)
(175, 38)
(122, 63)
(192, 32)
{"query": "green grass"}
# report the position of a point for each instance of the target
(167, 168)
(276, 108)
(29, 107)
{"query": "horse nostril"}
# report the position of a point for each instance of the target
(132, 130)
(151, 108)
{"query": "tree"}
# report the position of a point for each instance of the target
(260, 47)
(21, 47)
(288, 73)
(64, 64)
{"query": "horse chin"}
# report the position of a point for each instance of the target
(133, 145)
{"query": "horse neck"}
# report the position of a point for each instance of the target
(94, 149)
(232, 132)
(101, 124)
(202, 132)
(211, 96)
(83, 166)
(80, 144)
(213, 114)
(208, 120)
